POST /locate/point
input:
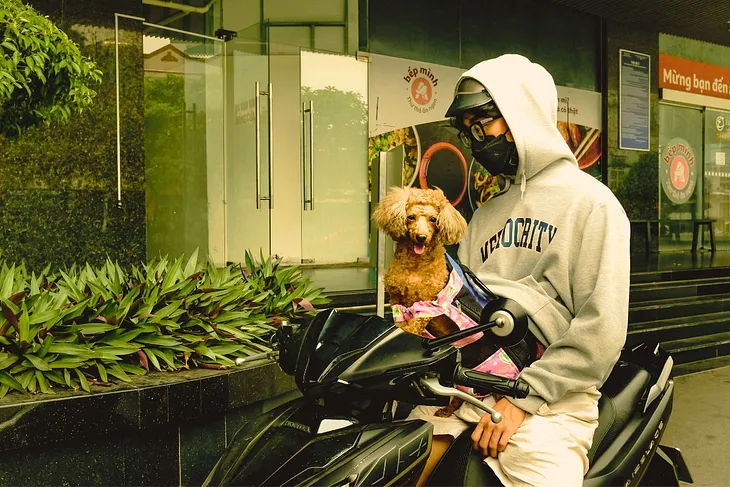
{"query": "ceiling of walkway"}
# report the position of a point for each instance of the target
(706, 20)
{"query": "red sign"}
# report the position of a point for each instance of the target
(682, 74)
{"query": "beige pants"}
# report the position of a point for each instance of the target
(549, 448)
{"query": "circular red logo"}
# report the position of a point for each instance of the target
(421, 91)
(679, 172)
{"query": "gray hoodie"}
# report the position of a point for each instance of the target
(558, 244)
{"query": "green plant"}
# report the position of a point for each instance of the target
(43, 75)
(86, 325)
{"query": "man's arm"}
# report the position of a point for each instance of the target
(586, 353)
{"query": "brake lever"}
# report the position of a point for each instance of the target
(433, 385)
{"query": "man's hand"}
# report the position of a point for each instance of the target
(490, 438)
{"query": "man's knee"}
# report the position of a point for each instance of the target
(542, 465)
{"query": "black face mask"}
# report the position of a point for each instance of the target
(497, 154)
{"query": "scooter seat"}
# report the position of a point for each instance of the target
(620, 396)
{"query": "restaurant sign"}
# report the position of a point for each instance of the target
(690, 76)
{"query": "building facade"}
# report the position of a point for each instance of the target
(258, 125)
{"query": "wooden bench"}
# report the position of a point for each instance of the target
(697, 224)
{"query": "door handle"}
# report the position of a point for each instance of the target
(257, 123)
(311, 155)
(308, 200)
(305, 201)
(270, 196)
(271, 146)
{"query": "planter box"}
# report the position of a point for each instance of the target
(164, 429)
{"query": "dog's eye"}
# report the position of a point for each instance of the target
(411, 218)
(433, 219)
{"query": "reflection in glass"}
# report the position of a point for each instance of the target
(183, 101)
(335, 223)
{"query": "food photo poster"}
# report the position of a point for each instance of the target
(408, 100)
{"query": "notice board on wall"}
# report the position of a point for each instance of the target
(634, 100)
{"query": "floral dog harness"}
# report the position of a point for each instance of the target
(499, 363)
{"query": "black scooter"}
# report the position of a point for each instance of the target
(357, 372)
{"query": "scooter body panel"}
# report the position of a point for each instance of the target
(299, 444)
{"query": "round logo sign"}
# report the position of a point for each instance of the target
(421, 91)
(720, 123)
(678, 170)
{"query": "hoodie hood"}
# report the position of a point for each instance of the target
(525, 93)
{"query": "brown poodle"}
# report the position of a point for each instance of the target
(421, 221)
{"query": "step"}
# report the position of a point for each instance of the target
(679, 274)
(663, 309)
(701, 365)
(698, 348)
(677, 289)
(679, 328)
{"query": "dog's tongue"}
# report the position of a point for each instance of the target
(419, 248)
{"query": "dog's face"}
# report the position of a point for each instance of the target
(421, 225)
(421, 216)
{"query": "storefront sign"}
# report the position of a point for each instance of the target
(682, 74)
(634, 100)
(405, 93)
(679, 170)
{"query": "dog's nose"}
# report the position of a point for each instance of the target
(420, 238)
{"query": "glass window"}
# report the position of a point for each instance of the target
(717, 174)
(680, 174)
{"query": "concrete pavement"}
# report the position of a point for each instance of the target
(700, 425)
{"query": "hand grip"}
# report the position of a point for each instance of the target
(489, 383)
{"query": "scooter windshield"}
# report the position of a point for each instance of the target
(340, 340)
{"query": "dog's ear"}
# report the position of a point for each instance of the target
(452, 226)
(390, 215)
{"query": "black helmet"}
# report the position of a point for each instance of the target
(472, 94)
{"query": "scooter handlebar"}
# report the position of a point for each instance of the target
(489, 383)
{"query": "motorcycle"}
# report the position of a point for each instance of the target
(358, 376)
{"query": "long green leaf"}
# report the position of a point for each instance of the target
(71, 349)
(10, 381)
(24, 324)
(7, 286)
(102, 372)
(152, 358)
(92, 328)
(66, 363)
(82, 379)
(205, 352)
(159, 341)
(116, 371)
(38, 362)
(43, 383)
(131, 369)
(225, 349)
(51, 315)
(191, 265)
(47, 342)
(168, 358)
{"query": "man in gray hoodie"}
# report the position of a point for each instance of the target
(556, 241)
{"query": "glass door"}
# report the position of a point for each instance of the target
(334, 163)
(680, 174)
(183, 89)
(717, 174)
(249, 170)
